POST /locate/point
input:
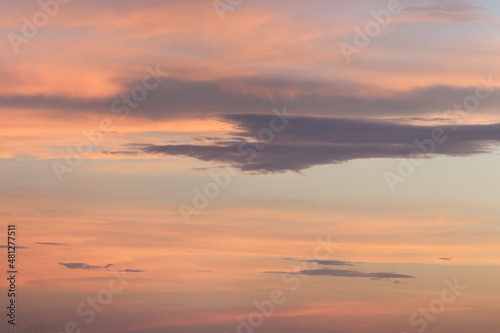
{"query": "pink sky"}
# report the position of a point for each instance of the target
(116, 115)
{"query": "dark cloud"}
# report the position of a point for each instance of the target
(61, 244)
(330, 262)
(17, 247)
(52, 103)
(347, 273)
(177, 98)
(79, 265)
(131, 270)
(310, 141)
(447, 259)
(377, 276)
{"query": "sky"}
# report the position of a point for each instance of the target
(250, 166)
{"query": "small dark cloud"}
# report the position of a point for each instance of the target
(132, 270)
(322, 262)
(347, 273)
(396, 281)
(17, 247)
(204, 271)
(79, 265)
(331, 262)
(57, 244)
(447, 259)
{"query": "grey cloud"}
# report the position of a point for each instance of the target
(176, 98)
(52, 103)
(446, 259)
(132, 270)
(310, 141)
(57, 244)
(331, 262)
(79, 265)
(17, 247)
(347, 273)
(454, 10)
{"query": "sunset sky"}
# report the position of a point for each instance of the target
(194, 159)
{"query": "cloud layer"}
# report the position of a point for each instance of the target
(310, 141)
(181, 98)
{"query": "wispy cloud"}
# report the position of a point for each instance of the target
(17, 247)
(448, 10)
(131, 270)
(331, 262)
(79, 265)
(346, 273)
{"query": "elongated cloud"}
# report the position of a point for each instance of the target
(181, 98)
(303, 142)
(131, 270)
(17, 247)
(451, 10)
(346, 273)
(331, 262)
(80, 265)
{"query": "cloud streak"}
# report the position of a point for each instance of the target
(346, 273)
(331, 262)
(311, 141)
(17, 247)
(180, 98)
(79, 265)
(131, 270)
(448, 10)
